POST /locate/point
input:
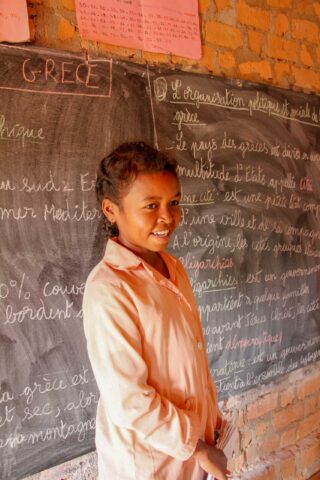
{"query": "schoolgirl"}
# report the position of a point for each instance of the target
(158, 411)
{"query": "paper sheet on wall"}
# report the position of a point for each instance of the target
(14, 22)
(167, 26)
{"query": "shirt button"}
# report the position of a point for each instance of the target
(200, 346)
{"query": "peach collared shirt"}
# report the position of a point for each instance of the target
(147, 351)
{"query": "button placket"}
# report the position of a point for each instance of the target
(175, 290)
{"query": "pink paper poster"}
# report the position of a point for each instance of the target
(14, 22)
(166, 26)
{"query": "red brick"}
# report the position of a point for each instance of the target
(307, 80)
(310, 454)
(310, 405)
(65, 30)
(256, 71)
(305, 30)
(262, 428)
(255, 41)
(279, 3)
(281, 24)
(288, 395)
(265, 404)
(308, 425)
(254, 16)
(203, 5)
(68, 4)
(227, 60)
(288, 437)
(252, 454)
(305, 56)
(279, 47)
(269, 445)
(222, 4)
(309, 387)
(282, 73)
(316, 6)
(207, 58)
(288, 415)
(303, 8)
(288, 468)
(223, 35)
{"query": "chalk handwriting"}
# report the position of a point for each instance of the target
(54, 71)
(17, 213)
(76, 212)
(45, 385)
(16, 131)
(13, 315)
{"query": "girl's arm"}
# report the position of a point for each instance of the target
(115, 351)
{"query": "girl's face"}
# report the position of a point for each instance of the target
(148, 213)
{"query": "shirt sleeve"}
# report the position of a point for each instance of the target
(214, 415)
(115, 351)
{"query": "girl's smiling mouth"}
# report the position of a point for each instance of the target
(162, 234)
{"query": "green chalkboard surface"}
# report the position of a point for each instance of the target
(249, 163)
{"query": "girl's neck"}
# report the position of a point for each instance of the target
(154, 259)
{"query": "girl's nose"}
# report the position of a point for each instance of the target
(165, 216)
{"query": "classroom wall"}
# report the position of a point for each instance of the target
(274, 42)
(268, 41)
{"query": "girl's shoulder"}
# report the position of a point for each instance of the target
(102, 277)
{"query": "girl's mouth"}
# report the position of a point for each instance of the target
(162, 234)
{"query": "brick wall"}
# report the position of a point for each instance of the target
(278, 428)
(270, 41)
(278, 433)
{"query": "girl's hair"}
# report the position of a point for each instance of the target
(121, 167)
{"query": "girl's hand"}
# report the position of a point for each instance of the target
(212, 460)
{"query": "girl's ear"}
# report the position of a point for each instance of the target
(109, 209)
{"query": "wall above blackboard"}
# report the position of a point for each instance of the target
(249, 160)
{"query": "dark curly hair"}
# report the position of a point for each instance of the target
(121, 167)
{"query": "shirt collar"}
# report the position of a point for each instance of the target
(121, 258)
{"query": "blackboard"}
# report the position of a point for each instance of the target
(249, 159)
(249, 163)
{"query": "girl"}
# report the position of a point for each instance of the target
(157, 412)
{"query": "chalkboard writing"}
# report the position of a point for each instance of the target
(249, 159)
(59, 115)
(249, 237)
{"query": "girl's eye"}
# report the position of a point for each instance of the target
(151, 206)
(175, 203)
